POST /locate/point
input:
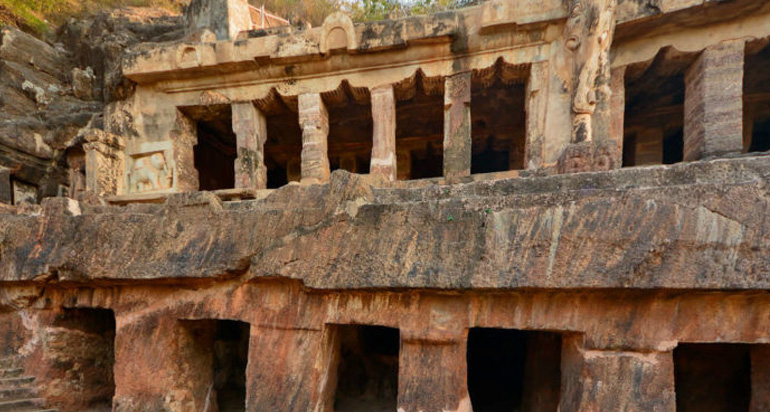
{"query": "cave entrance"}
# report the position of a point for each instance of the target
(283, 146)
(89, 337)
(367, 369)
(513, 370)
(498, 118)
(712, 377)
(230, 351)
(350, 128)
(654, 111)
(420, 127)
(216, 150)
(756, 97)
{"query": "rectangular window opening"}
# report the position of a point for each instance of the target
(712, 377)
(350, 128)
(220, 349)
(283, 146)
(420, 128)
(513, 370)
(216, 150)
(367, 368)
(498, 121)
(89, 335)
(756, 97)
(654, 111)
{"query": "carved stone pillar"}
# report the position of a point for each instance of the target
(713, 104)
(384, 137)
(184, 137)
(433, 374)
(314, 121)
(535, 109)
(250, 129)
(457, 126)
(281, 373)
(617, 110)
(760, 378)
(611, 380)
(105, 162)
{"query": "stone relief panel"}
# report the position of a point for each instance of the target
(150, 172)
(588, 37)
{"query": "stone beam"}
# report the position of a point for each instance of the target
(384, 137)
(535, 108)
(457, 126)
(611, 380)
(713, 106)
(314, 122)
(250, 129)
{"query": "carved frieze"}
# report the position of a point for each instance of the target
(151, 169)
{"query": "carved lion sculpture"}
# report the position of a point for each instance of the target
(150, 173)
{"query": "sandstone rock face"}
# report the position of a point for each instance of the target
(533, 206)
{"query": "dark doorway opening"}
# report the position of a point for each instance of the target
(89, 336)
(756, 97)
(654, 111)
(350, 128)
(283, 147)
(498, 118)
(513, 370)
(216, 150)
(712, 377)
(231, 351)
(420, 127)
(367, 372)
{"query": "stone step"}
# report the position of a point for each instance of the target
(19, 382)
(22, 405)
(18, 393)
(11, 373)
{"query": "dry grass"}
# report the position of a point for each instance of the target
(43, 16)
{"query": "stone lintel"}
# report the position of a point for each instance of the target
(250, 127)
(713, 106)
(384, 137)
(457, 125)
(314, 122)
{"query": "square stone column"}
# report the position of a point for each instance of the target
(250, 129)
(612, 380)
(281, 374)
(105, 162)
(713, 104)
(384, 137)
(314, 122)
(535, 111)
(760, 378)
(184, 137)
(432, 375)
(457, 125)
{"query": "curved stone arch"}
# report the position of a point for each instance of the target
(338, 28)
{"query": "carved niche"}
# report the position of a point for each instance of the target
(588, 37)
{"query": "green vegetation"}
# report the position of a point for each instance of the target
(41, 16)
